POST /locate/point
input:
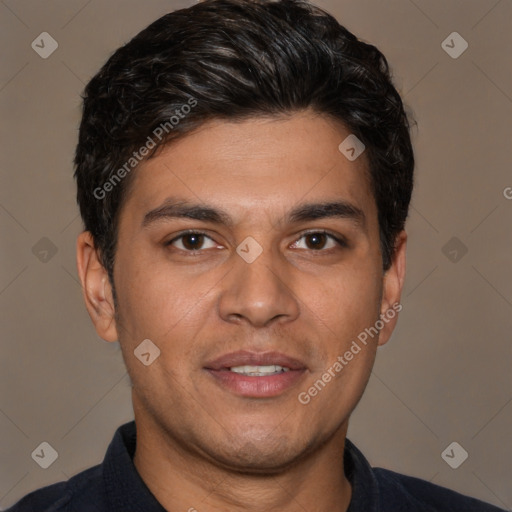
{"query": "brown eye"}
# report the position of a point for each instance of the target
(316, 240)
(192, 241)
(319, 240)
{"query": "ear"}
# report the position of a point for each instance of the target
(392, 289)
(96, 287)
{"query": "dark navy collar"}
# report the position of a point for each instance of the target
(125, 489)
(365, 488)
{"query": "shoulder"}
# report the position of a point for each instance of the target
(83, 492)
(411, 493)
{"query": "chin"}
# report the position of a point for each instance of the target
(268, 454)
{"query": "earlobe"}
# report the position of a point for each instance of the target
(392, 289)
(96, 288)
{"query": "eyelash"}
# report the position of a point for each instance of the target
(339, 240)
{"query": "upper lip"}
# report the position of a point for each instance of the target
(245, 357)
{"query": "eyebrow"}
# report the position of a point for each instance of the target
(178, 209)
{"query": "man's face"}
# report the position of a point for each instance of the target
(306, 296)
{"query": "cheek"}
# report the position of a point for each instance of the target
(157, 303)
(347, 302)
(341, 309)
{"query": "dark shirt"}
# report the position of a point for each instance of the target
(115, 486)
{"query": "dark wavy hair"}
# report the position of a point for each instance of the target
(233, 60)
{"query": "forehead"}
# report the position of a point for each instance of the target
(255, 168)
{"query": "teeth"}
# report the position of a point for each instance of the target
(259, 371)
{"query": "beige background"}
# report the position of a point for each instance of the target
(446, 374)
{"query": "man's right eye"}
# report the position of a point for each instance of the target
(190, 241)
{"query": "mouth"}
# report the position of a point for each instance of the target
(256, 375)
(259, 371)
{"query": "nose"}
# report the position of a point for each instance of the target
(258, 293)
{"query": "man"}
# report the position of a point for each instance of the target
(244, 172)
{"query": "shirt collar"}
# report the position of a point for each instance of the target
(124, 486)
(126, 490)
(365, 489)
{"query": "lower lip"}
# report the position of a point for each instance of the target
(257, 387)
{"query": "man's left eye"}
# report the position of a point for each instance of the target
(317, 241)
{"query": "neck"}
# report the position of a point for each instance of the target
(182, 480)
